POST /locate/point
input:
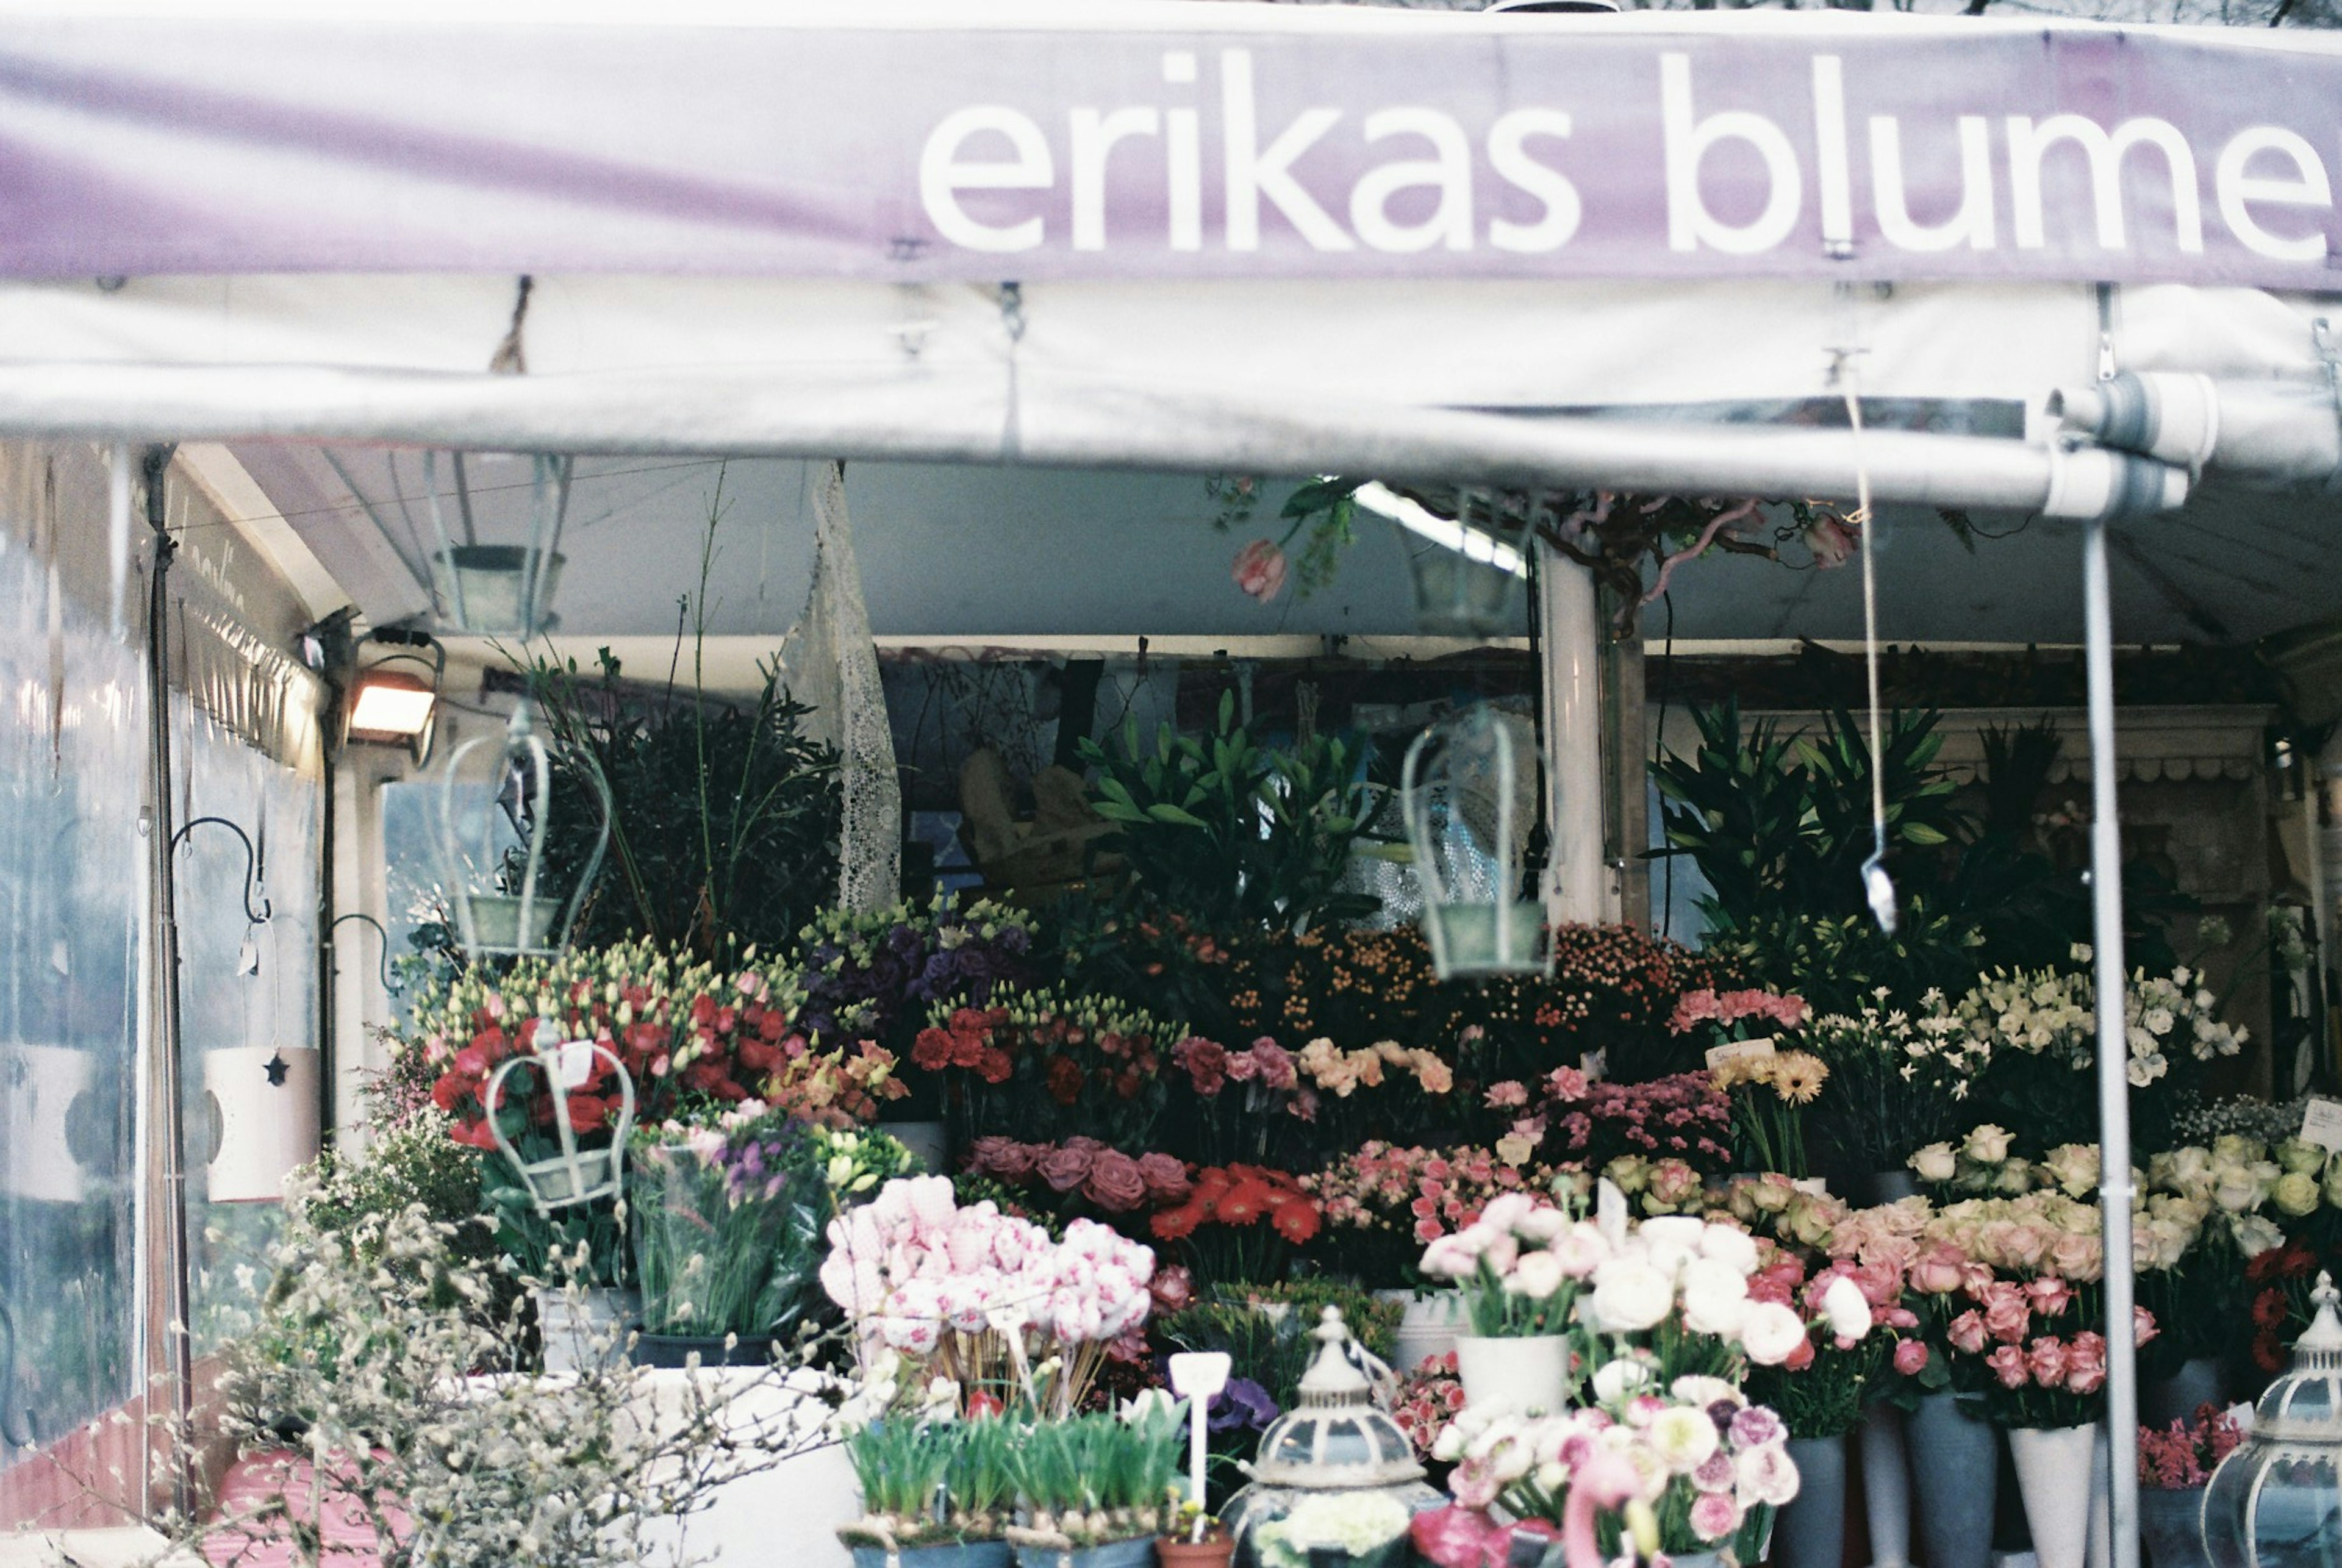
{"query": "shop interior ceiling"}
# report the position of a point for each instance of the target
(992, 553)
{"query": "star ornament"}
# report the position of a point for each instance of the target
(276, 1067)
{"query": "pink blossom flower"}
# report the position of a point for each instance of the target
(1508, 1094)
(2009, 1364)
(1911, 1357)
(1259, 570)
(2086, 1363)
(2047, 1358)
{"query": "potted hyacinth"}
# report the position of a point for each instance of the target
(728, 1219)
(935, 1494)
(1099, 1488)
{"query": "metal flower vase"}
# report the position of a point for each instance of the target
(1467, 794)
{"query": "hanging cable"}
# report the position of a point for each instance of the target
(1877, 887)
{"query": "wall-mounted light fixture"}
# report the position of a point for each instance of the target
(394, 697)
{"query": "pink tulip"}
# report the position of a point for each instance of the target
(1259, 570)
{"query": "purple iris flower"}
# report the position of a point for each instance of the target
(1242, 1405)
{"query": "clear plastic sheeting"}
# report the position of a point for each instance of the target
(73, 881)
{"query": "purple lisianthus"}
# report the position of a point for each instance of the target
(1242, 1405)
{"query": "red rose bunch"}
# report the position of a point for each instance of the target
(965, 1039)
(1041, 1065)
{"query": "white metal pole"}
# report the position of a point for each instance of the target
(2115, 1192)
(1577, 884)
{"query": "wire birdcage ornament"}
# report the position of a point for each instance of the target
(520, 916)
(1466, 793)
(574, 1175)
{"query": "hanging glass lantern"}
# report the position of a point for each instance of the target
(2275, 1502)
(498, 589)
(1335, 1438)
(574, 1175)
(1467, 791)
(1470, 579)
(495, 806)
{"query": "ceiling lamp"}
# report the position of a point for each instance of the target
(394, 699)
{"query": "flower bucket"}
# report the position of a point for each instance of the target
(1811, 1532)
(2053, 1475)
(574, 1331)
(1485, 938)
(1885, 1485)
(485, 588)
(1138, 1552)
(1428, 1326)
(1956, 1470)
(676, 1349)
(2171, 1524)
(2200, 1380)
(951, 1554)
(1527, 1372)
(1213, 1551)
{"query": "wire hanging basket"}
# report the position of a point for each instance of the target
(495, 818)
(572, 1176)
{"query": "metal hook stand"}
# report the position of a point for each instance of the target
(380, 930)
(253, 868)
(17, 1428)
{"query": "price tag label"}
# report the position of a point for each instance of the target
(1595, 1065)
(573, 1064)
(2321, 1124)
(1735, 1050)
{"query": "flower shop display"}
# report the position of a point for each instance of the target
(1429, 1397)
(728, 1222)
(1246, 1100)
(1240, 1223)
(2277, 1496)
(2176, 1462)
(1337, 1443)
(935, 1494)
(988, 1302)
(1710, 1467)
(1099, 1490)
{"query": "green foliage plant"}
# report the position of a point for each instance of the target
(1231, 834)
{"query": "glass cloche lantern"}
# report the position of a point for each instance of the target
(2276, 1501)
(1335, 1438)
(1467, 793)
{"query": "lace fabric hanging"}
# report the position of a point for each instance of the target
(830, 662)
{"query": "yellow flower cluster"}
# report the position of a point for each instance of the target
(1795, 1076)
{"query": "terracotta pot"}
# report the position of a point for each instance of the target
(1177, 1551)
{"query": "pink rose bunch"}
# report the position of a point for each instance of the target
(1116, 1182)
(1429, 1397)
(1706, 1456)
(1735, 1012)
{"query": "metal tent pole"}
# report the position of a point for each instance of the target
(2114, 1190)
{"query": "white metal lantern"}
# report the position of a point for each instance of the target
(1467, 791)
(2275, 1502)
(260, 1110)
(574, 1175)
(1335, 1438)
(498, 589)
(494, 809)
